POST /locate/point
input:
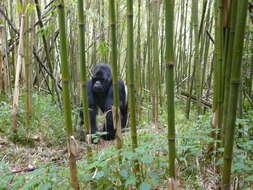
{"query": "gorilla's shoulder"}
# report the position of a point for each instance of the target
(89, 82)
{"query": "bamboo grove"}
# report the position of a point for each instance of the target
(196, 52)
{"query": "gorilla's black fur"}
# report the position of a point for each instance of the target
(100, 95)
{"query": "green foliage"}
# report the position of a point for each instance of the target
(243, 152)
(105, 171)
(47, 121)
(109, 174)
(49, 177)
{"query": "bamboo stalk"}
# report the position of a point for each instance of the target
(132, 103)
(234, 90)
(83, 72)
(115, 72)
(66, 97)
(27, 61)
(155, 82)
(170, 62)
(17, 75)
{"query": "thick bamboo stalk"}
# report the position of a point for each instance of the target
(66, 96)
(217, 67)
(130, 62)
(234, 90)
(250, 89)
(190, 70)
(149, 43)
(83, 73)
(197, 63)
(170, 62)
(115, 71)
(155, 73)
(228, 63)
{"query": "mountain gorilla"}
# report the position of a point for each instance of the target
(100, 95)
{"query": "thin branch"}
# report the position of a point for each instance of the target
(210, 36)
(9, 22)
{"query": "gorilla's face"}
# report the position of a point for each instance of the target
(102, 78)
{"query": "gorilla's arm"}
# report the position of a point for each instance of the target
(123, 103)
(108, 126)
(122, 94)
(92, 107)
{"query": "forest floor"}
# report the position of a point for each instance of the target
(39, 158)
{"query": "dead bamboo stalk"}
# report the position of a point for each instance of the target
(17, 75)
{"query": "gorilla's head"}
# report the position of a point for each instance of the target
(102, 77)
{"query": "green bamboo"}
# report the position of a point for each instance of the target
(83, 74)
(180, 46)
(197, 66)
(190, 69)
(234, 90)
(251, 72)
(155, 81)
(217, 67)
(114, 67)
(228, 62)
(207, 46)
(162, 62)
(130, 61)
(203, 45)
(149, 43)
(138, 61)
(224, 52)
(185, 65)
(2, 91)
(170, 62)
(66, 94)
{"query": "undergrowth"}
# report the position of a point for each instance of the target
(195, 167)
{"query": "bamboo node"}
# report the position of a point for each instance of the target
(171, 139)
(236, 82)
(72, 146)
(81, 24)
(84, 84)
(227, 158)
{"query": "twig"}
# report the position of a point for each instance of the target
(194, 99)
(9, 22)
(210, 36)
(24, 170)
